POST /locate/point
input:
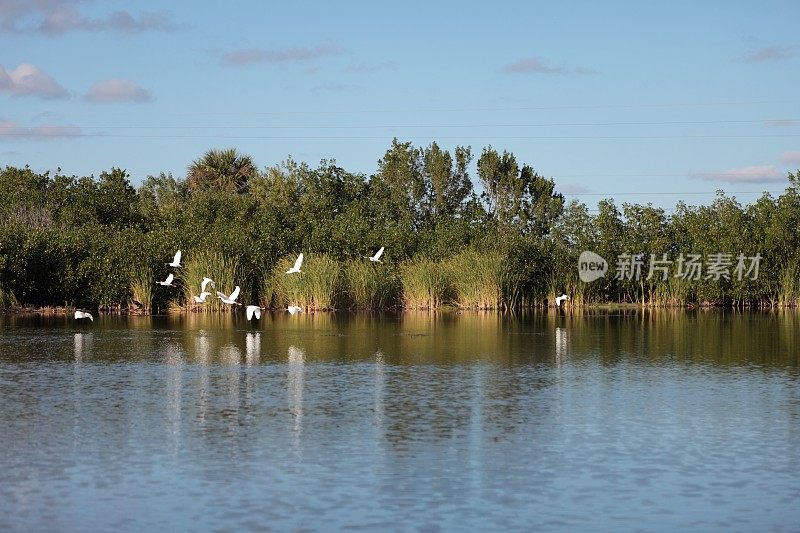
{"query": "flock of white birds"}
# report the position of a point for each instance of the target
(251, 311)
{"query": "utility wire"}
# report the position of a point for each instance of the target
(381, 137)
(790, 121)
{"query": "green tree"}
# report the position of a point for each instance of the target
(517, 197)
(224, 170)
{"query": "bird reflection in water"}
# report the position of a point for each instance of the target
(380, 378)
(174, 361)
(561, 344)
(83, 346)
(231, 357)
(253, 348)
(202, 355)
(202, 348)
(295, 376)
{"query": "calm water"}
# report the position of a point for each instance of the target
(606, 421)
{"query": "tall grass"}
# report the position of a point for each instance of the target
(142, 288)
(426, 284)
(572, 286)
(679, 291)
(317, 287)
(370, 285)
(223, 269)
(478, 279)
(7, 299)
(789, 286)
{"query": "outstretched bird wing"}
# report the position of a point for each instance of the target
(177, 258)
(379, 254)
(298, 262)
(169, 279)
(249, 311)
(235, 293)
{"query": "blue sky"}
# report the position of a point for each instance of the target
(604, 97)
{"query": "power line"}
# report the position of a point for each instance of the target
(655, 105)
(628, 193)
(383, 137)
(405, 126)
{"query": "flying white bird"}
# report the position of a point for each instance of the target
(205, 282)
(176, 261)
(377, 257)
(202, 298)
(294, 309)
(79, 315)
(167, 282)
(253, 311)
(561, 299)
(230, 300)
(296, 267)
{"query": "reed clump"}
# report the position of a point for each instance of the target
(789, 286)
(370, 285)
(223, 269)
(142, 289)
(426, 284)
(572, 286)
(7, 299)
(478, 279)
(318, 286)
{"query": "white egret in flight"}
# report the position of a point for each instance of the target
(377, 257)
(205, 282)
(253, 311)
(230, 300)
(294, 309)
(561, 299)
(202, 298)
(167, 282)
(296, 267)
(79, 315)
(176, 261)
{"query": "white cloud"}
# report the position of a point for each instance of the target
(55, 17)
(791, 157)
(748, 174)
(116, 90)
(369, 68)
(537, 65)
(771, 53)
(30, 80)
(10, 130)
(249, 56)
(781, 123)
(572, 188)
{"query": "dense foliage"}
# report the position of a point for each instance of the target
(96, 241)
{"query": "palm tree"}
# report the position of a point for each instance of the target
(225, 170)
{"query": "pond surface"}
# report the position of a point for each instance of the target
(601, 421)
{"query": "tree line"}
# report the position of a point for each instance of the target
(99, 241)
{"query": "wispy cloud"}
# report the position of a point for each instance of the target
(791, 158)
(56, 17)
(771, 53)
(749, 174)
(537, 65)
(369, 68)
(10, 130)
(572, 188)
(334, 87)
(116, 90)
(781, 123)
(299, 54)
(30, 80)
